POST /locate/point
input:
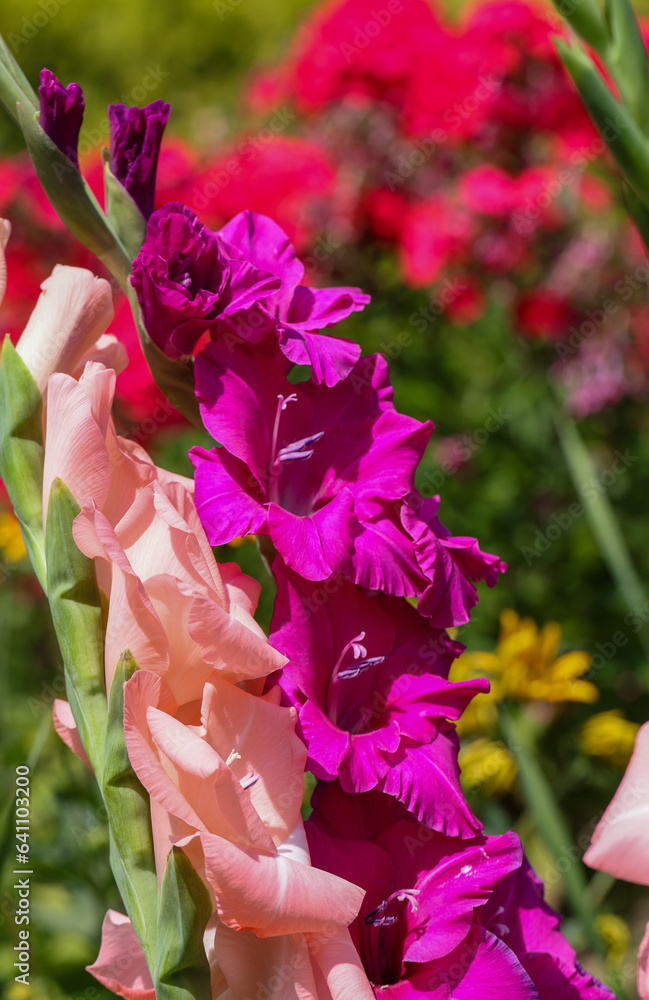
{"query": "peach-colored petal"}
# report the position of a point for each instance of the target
(121, 966)
(643, 966)
(273, 895)
(5, 233)
(277, 968)
(132, 620)
(243, 592)
(620, 845)
(238, 650)
(72, 312)
(66, 728)
(182, 772)
(162, 476)
(75, 441)
(340, 965)
(268, 750)
(108, 351)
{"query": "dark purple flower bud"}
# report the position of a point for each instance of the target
(61, 113)
(135, 137)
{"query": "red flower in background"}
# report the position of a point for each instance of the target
(289, 179)
(543, 313)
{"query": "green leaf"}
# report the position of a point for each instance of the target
(21, 451)
(182, 970)
(72, 199)
(623, 136)
(585, 18)
(15, 88)
(626, 58)
(76, 612)
(128, 223)
(132, 854)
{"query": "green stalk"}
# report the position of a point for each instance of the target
(132, 857)
(75, 604)
(601, 517)
(542, 807)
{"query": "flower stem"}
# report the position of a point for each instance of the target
(601, 518)
(548, 818)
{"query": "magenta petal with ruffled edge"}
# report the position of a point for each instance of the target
(384, 557)
(481, 968)
(294, 312)
(316, 546)
(426, 779)
(554, 980)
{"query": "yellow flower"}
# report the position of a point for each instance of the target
(525, 665)
(609, 735)
(488, 767)
(12, 545)
(615, 934)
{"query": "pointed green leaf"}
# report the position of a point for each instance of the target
(21, 451)
(182, 970)
(626, 58)
(128, 223)
(132, 855)
(585, 19)
(72, 199)
(618, 128)
(76, 612)
(15, 88)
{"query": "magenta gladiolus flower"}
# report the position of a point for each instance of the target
(135, 137)
(242, 284)
(185, 279)
(423, 894)
(443, 917)
(299, 461)
(294, 312)
(61, 113)
(369, 678)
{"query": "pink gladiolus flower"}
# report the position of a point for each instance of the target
(83, 449)
(226, 785)
(179, 613)
(619, 845)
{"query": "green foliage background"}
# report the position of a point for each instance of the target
(204, 48)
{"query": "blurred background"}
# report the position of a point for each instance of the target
(440, 160)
